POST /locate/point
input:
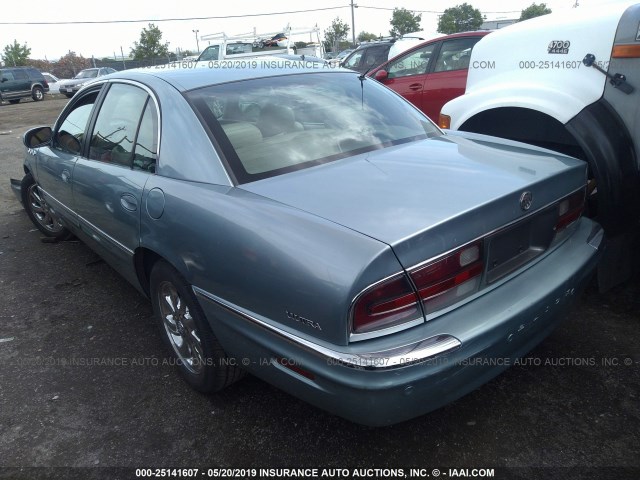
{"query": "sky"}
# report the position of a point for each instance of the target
(52, 41)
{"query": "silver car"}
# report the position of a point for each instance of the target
(311, 227)
(71, 86)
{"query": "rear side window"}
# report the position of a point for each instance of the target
(455, 54)
(114, 134)
(146, 149)
(20, 75)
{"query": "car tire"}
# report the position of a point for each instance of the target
(68, 95)
(199, 356)
(39, 211)
(37, 94)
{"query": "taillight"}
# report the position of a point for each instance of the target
(444, 121)
(570, 209)
(450, 278)
(439, 284)
(386, 304)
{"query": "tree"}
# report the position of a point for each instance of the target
(461, 18)
(150, 45)
(16, 55)
(404, 21)
(69, 65)
(534, 10)
(335, 34)
(366, 36)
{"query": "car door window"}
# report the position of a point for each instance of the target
(375, 56)
(455, 54)
(116, 127)
(20, 75)
(7, 75)
(146, 149)
(70, 134)
(414, 63)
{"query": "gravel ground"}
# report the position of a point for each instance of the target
(571, 411)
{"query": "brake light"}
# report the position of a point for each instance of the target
(386, 304)
(450, 278)
(444, 121)
(570, 209)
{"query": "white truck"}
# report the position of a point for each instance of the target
(569, 81)
(250, 45)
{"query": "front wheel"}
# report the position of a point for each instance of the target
(39, 210)
(37, 94)
(183, 326)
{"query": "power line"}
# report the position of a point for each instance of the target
(185, 19)
(426, 11)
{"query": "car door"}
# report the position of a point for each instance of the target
(56, 162)
(109, 179)
(407, 74)
(448, 77)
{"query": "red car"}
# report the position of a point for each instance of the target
(432, 73)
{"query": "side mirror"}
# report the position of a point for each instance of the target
(381, 75)
(37, 137)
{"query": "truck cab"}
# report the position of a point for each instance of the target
(569, 81)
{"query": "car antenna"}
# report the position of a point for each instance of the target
(362, 77)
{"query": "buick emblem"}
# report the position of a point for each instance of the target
(526, 199)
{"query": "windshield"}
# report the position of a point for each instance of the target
(270, 126)
(92, 73)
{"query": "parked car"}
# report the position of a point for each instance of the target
(53, 81)
(432, 73)
(367, 56)
(569, 81)
(335, 60)
(17, 83)
(365, 262)
(70, 87)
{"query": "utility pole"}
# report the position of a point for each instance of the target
(353, 24)
(197, 41)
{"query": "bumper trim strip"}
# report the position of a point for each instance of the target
(402, 356)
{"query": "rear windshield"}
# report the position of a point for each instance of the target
(271, 126)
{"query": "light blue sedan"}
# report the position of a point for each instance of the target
(309, 226)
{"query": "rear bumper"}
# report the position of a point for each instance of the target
(491, 332)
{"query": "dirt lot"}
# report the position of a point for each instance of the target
(572, 411)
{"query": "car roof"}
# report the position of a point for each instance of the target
(218, 72)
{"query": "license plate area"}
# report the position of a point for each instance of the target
(517, 245)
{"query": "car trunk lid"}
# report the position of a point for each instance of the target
(429, 197)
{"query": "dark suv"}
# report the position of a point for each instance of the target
(22, 82)
(367, 56)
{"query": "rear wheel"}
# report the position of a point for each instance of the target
(37, 94)
(39, 211)
(183, 326)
